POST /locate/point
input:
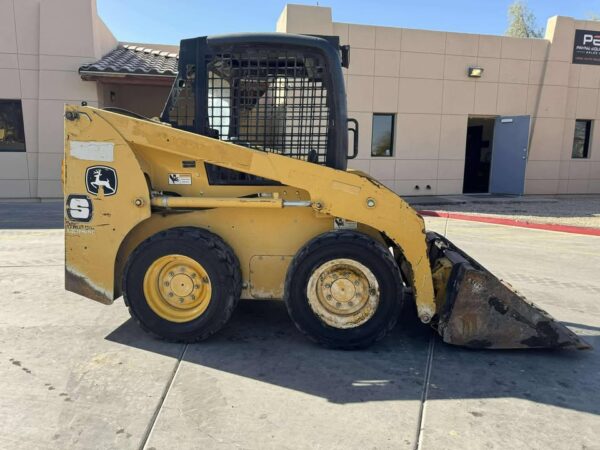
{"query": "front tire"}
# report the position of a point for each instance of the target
(182, 284)
(344, 290)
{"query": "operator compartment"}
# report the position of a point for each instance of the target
(270, 92)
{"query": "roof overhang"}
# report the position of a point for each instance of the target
(133, 65)
(139, 79)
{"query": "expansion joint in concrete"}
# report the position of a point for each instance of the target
(424, 395)
(161, 401)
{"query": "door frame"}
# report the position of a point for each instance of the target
(499, 120)
(492, 118)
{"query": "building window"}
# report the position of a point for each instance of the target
(581, 141)
(12, 134)
(382, 140)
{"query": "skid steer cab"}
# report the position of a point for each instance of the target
(241, 191)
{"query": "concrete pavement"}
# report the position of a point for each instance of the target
(523, 399)
(77, 374)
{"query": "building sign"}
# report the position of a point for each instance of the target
(587, 47)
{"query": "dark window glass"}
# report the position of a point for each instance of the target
(182, 110)
(12, 134)
(581, 141)
(382, 141)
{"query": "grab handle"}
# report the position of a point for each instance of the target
(355, 135)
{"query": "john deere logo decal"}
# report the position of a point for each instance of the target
(104, 177)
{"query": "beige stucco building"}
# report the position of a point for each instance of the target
(422, 78)
(428, 123)
(39, 59)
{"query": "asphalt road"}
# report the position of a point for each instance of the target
(78, 374)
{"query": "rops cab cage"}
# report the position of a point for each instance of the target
(271, 92)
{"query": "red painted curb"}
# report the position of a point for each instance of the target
(514, 223)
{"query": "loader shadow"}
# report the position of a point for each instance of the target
(261, 343)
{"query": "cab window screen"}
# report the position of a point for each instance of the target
(270, 99)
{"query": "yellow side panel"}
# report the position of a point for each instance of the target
(267, 275)
(96, 222)
(251, 234)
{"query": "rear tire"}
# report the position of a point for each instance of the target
(182, 284)
(344, 290)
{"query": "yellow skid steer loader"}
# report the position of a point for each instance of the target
(241, 190)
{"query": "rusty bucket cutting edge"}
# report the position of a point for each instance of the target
(480, 311)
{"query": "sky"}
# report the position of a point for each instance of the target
(169, 21)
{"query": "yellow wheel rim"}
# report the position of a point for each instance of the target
(177, 288)
(343, 293)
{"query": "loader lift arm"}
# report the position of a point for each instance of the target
(336, 193)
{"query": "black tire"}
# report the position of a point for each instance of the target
(219, 261)
(355, 246)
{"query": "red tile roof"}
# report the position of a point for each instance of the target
(134, 60)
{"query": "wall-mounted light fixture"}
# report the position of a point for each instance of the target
(475, 72)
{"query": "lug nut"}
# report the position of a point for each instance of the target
(166, 283)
